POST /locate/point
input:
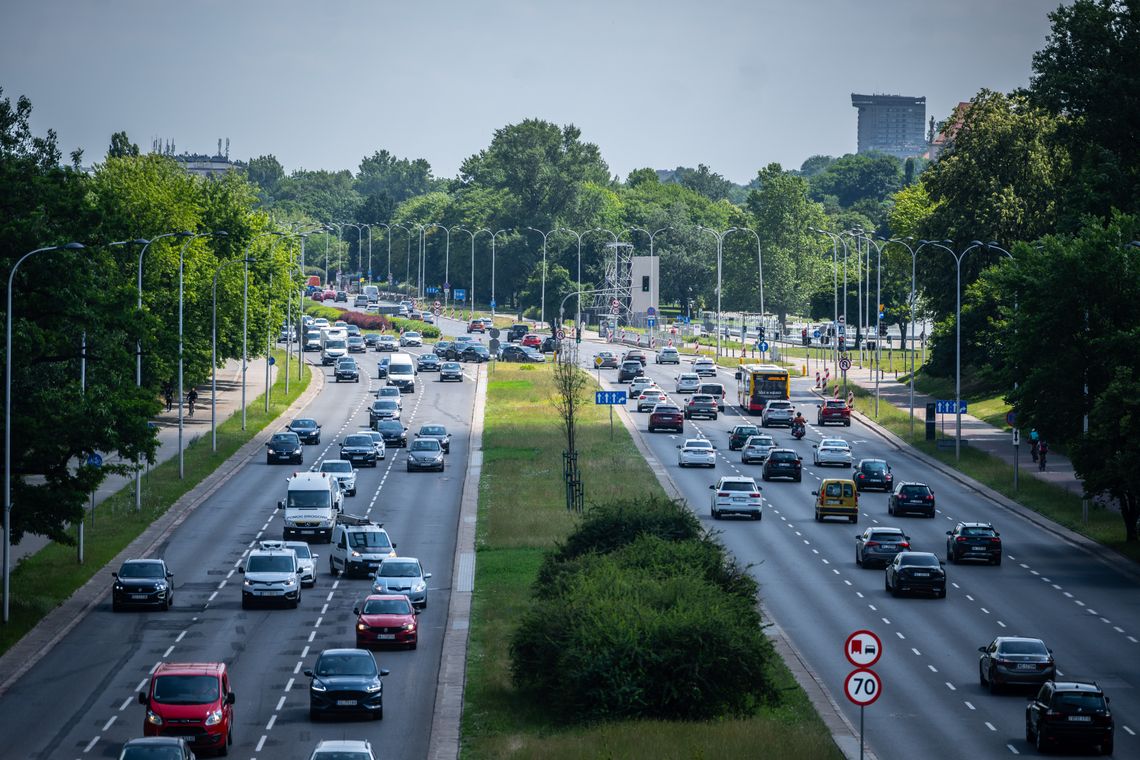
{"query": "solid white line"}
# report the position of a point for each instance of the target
(109, 722)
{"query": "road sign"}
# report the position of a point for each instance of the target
(946, 406)
(437, 311)
(493, 304)
(844, 364)
(815, 334)
(863, 649)
(615, 308)
(862, 686)
(447, 286)
(437, 303)
(460, 294)
(493, 332)
(1011, 419)
(431, 291)
(762, 345)
(610, 398)
(94, 460)
(561, 334)
(1016, 437)
(651, 312)
(272, 360)
(650, 322)
(494, 344)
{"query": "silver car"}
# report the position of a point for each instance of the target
(411, 338)
(306, 567)
(756, 448)
(392, 392)
(387, 343)
(649, 398)
(341, 470)
(402, 575)
(777, 413)
(696, 452)
(688, 382)
(378, 442)
(271, 575)
(425, 454)
(705, 367)
(668, 355)
(832, 451)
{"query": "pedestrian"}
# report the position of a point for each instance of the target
(1034, 443)
(191, 398)
(168, 394)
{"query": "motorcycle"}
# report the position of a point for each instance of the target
(798, 431)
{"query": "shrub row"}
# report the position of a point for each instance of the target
(640, 615)
(366, 321)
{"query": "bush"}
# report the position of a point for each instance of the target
(367, 321)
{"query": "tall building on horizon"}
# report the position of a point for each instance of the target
(893, 124)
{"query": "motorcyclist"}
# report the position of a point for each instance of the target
(799, 424)
(1042, 452)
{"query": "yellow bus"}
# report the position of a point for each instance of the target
(757, 384)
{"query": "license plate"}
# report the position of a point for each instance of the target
(386, 636)
(264, 593)
(832, 501)
(922, 575)
(888, 547)
(740, 498)
(1026, 666)
(977, 548)
(138, 596)
(346, 702)
(308, 530)
(1080, 718)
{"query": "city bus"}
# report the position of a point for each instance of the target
(757, 384)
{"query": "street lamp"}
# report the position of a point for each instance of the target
(422, 254)
(388, 229)
(719, 256)
(578, 317)
(360, 241)
(245, 303)
(835, 292)
(446, 263)
(8, 417)
(913, 265)
(494, 236)
(542, 318)
(878, 313)
(471, 301)
(214, 356)
(759, 266)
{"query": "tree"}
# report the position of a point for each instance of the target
(705, 181)
(641, 176)
(570, 384)
(856, 177)
(266, 172)
(815, 164)
(558, 286)
(382, 174)
(121, 146)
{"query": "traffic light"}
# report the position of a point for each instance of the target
(842, 342)
(882, 329)
(760, 333)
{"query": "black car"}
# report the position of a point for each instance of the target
(427, 363)
(394, 432)
(341, 295)
(284, 447)
(143, 583)
(512, 353)
(1069, 713)
(915, 572)
(550, 345)
(442, 348)
(740, 435)
(439, 433)
(973, 540)
(1015, 660)
(879, 545)
(347, 370)
(346, 681)
(306, 429)
(783, 463)
(157, 748)
(359, 449)
(371, 339)
(475, 352)
(516, 332)
(356, 344)
(912, 498)
(629, 370)
(450, 371)
(873, 473)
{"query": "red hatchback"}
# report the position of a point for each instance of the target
(667, 417)
(192, 700)
(386, 619)
(329, 295)
(532, 340)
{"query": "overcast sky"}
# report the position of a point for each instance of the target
(735, 84)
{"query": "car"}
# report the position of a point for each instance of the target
(635, 353)
(438, 432)
(739, 434)
(142, 583)
(474, 352)
(359, 449)
(640, 383)
(973, 540)
(427, 318)
(356, 344)
(668, 355)
(832, 451)
(347, 370)
(476, 325)
(696, 452)
(530, 340)
(312, 341)
(342, 471)
(687, 382)
(734, 494)
(306, 429)
(1015, 661)
(512, 353)
(306, 560)
(462, 341)
(704, 367)
(371, 339)
(629, 370)
(756, 448)
(425, 454)
(532, 355)
(873, 473)
(288, 334)
(329, 294)
(488, 322)
(550, 345)
(382, 367)
(909, 498)
(394, 433)
(402, 575)
(319, 322)
(427, 363)
(666, 417)
(879, 545)
(516, 332)
(777, 412)
(833, 411)
(284, 447)
(271, 575)
(387, 343)
(343, 749)
(157, 748)
(451, 371)
(353, 330)
(411, 338)
(383, 409)
(378, 442)
(198, 696)
(649, 398)
(386, 620)
(1069, 713)
(716, 390)
(372, 306)
(442, 349)
(360, 302)
(783, 463)
(605, 360)
(392, 392)
(340, 296)
(701, 405)
(346, 681)
(915, 572)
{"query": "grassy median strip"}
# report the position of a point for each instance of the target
(522, 513)
(44, 580)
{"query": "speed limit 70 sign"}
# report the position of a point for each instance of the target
(862, 686)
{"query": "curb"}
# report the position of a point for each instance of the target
(37, 642)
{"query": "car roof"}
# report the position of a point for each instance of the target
(335, 461)
(149, 561)
(974, 525)
(701, 397)
(1083, 686)
(344, 744)
(190, 668)
(918, 554)
(833, 441)
(697, 440)
(737, 479)
(883, 529)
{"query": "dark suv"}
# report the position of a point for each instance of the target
(911, 497)
(700, 405)
(873, 473)
(1069, 712)
(783, 463)
(629, 370)
(973, 540)
(347, 370)
(739, 435)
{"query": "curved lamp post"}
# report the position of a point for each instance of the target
(835, 293)
(913, 266)
(248, 258)
(494, 236)
(759, 266)
(719, 256)
(214, 355)
(446, 262)
(542, 310)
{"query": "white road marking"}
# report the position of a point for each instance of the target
(108, 723)
(126, 703)
(289, 685)
(990, 726)
(918, 653)
(260, 743)
(970, 706)
(932, 668)
(1012, 749)
(950, 686)
(91, 744)
(1129, 730)
(180, 637)
(280, 704)
(169, 649)
(899, 634)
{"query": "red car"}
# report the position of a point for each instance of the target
(667, 417)
(634, 353)
(476, 325)
(532, 340)
(318, 296)
(386, 619)
(833, 410)
(329, 295)
(192, 700)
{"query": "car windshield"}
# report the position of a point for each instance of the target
(387, 338)
(301, 549)
(757, 440)
(889, 536)
(977, 531)
(713, 389)
(779, 405)
(387, 607)
(433, 430)
(336, 466)
(284, 438)
(269, 563)
(345, 665)
(399, 570)
(141, 570)
(390, 426)
(385, 403)
(698, 445)
(152, 752)
(355, 339)
(737, 485)
(632, 365)
(919, 560)
(690, 379)
(1072, 702)
(308, 500)
(303, 424)
(369, 539)
(400, 369)
(1023, 647)
(834, 445)
(836, 404)
(450, 366)
(185, 690)
(410, 334)
(429, 358)
(783, 456)
(334, 344)
(389, 390)
(877, 467)
(746, 430)
(358, 440)
(915, 490)
(425, 445)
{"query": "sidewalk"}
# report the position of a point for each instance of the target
(229, 401)
(981, 435)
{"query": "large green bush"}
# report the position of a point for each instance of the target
(611, 525)
(366, 321)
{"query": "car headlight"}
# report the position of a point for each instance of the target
(355, 553)
(420, 586)
(410, 626)
(214, 718)
(247, 582)
(153, 718)
(291, 580)
(317, 686)
(374, 687)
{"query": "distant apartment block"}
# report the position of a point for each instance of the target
(893, 124)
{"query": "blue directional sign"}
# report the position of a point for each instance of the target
(815, 334)
(947, 406)
(609, 398)
(272, 360)
(459, 294)
(94, 460)
(431, 291)
(762, 345)
(493, 304)
(651, 322)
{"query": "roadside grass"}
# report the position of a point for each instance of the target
(983, 404)
(44, 580)
(1058, 504)
(522, 513)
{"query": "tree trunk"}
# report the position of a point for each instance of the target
(1130, 513)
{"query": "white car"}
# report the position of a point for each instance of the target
(372, 306)
(339, 749)
(705, 367)
(387, 343)
(736, 495)
(306, 568)
(649, 398)
(341, 471)
(428, 318)
(320, 322)
(668, 355)
(696, 452)
(777, 413)
(756, 448)
(638, 385)
(688, 382)
(411, 338)
(832, 451)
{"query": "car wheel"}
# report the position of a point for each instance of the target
(858, 558)
(982, 683)
(115, 606)
(991, 684)
(296, 602)
(681, 464)
(1029, 737)
(314, 715)
(890, 509)
(763, 423)
(1106, 748)
(244, 603)
(758, 516)
(997, 560)
(799, 479)
(1039, 742)
(847, 423)
(379, 714)
(949, 555)
(714, 415)
(225, 748)
(886, 582)
(169, 602)
(942, 595)
(764, 477)
(715, 513)
(332, 569)
(853, 519)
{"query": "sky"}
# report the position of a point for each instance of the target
(733, 84)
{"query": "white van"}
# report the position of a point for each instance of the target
(310, 504)
(402, 372)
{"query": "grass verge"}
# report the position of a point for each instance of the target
(44, 580)
(522, 513)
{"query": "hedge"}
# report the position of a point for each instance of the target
(366, 321)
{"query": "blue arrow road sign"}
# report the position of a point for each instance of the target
(272, 360)
(762, 345)
(947, 406)
(493, 304)
(815, 334)
(609, 397)
(94, 460)
(650, 322)
(459, 294)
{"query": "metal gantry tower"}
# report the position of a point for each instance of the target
(618, 283)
